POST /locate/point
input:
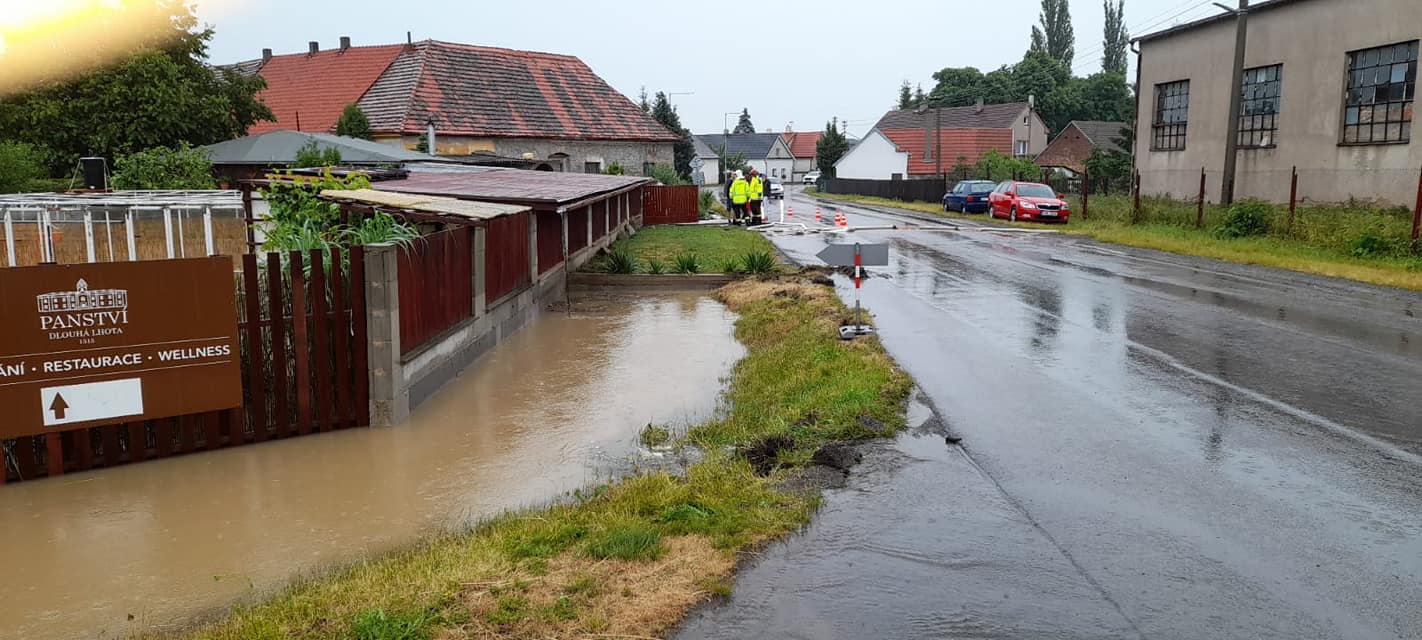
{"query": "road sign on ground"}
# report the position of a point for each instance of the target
(842, 255)
(91, 344)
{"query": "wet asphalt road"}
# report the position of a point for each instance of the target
(1153, 446)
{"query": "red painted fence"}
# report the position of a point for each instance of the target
(670, 205)
(436, 285)
(302, 337)
(550, 241)
(506, 256)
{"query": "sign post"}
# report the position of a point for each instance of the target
(86, 345)
(857, 255)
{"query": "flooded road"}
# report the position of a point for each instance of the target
(1153, 446)
(552, 409)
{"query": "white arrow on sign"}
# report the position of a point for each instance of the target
(91, 401)
(842, 255)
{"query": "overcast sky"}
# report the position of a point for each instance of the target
(797, 61)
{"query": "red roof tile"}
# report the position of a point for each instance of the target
(955, 143)
(802, 143)
(319, 86)
(491, 92)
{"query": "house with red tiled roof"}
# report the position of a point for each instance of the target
(547, 109)
(802, 147)
(919, 143)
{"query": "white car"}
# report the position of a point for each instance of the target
(777, 189)
(812, 177)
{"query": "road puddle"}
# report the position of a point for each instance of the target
(558, 406)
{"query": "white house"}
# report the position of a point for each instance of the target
(710, 171)
(764, 152)
(876, 157)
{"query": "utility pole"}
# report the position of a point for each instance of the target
(938, 140)
(1241, 36)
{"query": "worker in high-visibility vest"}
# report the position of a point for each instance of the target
(740, 195)
(757, 197)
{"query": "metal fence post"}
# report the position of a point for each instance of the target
(1200, 202)
(1136, 197)
(1085, 194)
(1293, 196)
(1417, 215)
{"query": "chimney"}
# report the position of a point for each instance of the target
(266, 55)
(314, 47)
(345, 42)
(430, 137)
(978, 108)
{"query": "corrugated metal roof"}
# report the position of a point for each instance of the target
(516, 186)
(992, 116)
(469, 209)
(280, 147)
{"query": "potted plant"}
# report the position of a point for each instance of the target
(224, 182)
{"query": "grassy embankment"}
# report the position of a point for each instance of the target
(626, 559)
(1355, 242)
(671, 249)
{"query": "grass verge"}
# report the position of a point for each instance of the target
(1357, 243)
(715, 248)
(630, 558)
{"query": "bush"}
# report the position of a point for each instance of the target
(1247, 219)
(758, 262)
(164, 168)
(666, 174)
(314, 155)
(688, 263)
(353, 123)
(615, 169)
(619, 261)
(19, 167)
(707, 200)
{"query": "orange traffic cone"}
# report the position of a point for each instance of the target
(840, 219)
(818, 217)
(790, 213)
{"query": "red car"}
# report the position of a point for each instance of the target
(1027, 201)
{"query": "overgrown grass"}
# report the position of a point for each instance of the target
(713, 246)
(630, 558)
(1351, 241)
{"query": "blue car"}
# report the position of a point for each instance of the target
(969, 196)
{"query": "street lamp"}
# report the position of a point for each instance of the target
(1241, 36)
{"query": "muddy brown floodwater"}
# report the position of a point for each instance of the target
(554, 408)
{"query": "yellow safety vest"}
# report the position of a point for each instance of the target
(740, 191)
(757, 188)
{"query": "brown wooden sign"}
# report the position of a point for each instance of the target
(85, 345)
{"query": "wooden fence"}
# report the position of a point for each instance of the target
(927, 190)
(302, 338)
(670, 205)
(550, 241)
(436, 285)
(506, 256)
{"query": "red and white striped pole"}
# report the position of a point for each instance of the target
(858, 277)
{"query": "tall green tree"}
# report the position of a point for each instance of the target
(831, 147)
(353, 123)
(19, 167)
(642, 101)
(683, 150)
(744, 125)
(919, 97)
(1116, 38)
(905, 95)
(1055, 35)
(956, 87)
(162, 93)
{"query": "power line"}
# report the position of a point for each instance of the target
(1158, 21)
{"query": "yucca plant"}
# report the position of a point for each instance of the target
(688, 263)
(656, 267)
(758, 262)
(380, 228)
(619, 261)
(732, 265)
